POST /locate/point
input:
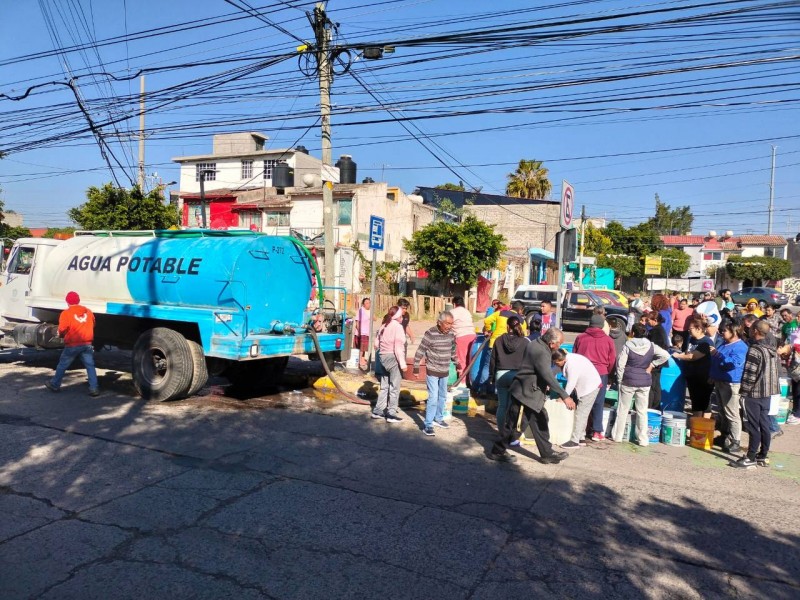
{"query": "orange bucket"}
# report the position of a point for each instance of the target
(701, 434)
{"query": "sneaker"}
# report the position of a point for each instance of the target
(734, 448)
(504, 457)
(50, 386)
(762, 462)
(514, 443)
(745, 463)
(778, 433)
(429, 431)
(598, 437)
(94, 393)
(394, 419)
(441, 424)
(792, 420)
(376, 416)
(555, 458)
(571, 444)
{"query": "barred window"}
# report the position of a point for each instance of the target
(247, 169)
(209, 168)
(268, 164)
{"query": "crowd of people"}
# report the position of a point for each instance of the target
(730, 357)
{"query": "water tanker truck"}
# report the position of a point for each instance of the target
(187, 303)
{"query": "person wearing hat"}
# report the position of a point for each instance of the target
(76, 327)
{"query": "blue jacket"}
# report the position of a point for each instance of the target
(727, 362)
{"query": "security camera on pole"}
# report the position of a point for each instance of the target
(567, 221)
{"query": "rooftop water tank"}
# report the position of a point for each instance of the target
(347, 169)
(282, 175)
(301, 149)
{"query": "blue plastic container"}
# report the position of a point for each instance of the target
(673, 387)
(479, 372)
(654, 426)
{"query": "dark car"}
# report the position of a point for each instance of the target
(577, 309)
(764, 295)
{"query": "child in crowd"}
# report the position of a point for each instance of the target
(677, 344)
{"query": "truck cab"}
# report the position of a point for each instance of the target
(17, 276)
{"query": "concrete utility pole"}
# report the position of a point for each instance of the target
(323, 36)
(771, 192)
(583, 233)
(140, 178)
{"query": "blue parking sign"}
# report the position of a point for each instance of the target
(376, 226)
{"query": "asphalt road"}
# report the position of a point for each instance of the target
(296, 496)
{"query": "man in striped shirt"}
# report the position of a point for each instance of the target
(438, 348)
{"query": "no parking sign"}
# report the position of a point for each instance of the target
(567, 205)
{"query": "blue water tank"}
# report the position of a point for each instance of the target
(673, 387)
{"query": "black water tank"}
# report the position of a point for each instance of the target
(301, 149)
(282, 175)
(347, 169)
(368, 180)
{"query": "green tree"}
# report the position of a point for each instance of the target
(52, 232)
(669, 221)
(453, 187)
(529, 181)
(596, 242)
(114, 208)
(456, 252)
(758, 268)
(674, 262)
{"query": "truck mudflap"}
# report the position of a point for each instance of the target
(255, 347)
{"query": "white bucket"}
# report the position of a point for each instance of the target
(352, 362)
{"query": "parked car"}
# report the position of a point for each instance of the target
(576, 309)
(797, 300)
(609, 298)
(764, 295)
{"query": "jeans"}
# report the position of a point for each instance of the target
(68, 356)
(758, 427)
(795, 391)
(639, 396)
(389, 394)
(597, 409)
(585, 405)
(437, 396)
(502, 381)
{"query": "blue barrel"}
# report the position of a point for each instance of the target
(479, 373)
(673, 387)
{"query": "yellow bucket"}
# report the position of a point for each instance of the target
(701, 433)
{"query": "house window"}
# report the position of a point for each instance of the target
(391, 196)
(210, 171)
(277, 219)
(250, 219)
(268, 164)
(775, 252)
(344, 211)
(247, 169)
(712, 256)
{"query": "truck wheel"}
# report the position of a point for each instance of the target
(200, 370)
(162, 364)
(256, 377)
(623, 323)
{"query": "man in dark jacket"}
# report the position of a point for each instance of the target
(528, 394)
(599, 348)
(759, 382)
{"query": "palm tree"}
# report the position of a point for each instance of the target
(529, 181)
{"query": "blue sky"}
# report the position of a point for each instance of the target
(688, 109)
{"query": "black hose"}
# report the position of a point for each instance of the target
(348, 395)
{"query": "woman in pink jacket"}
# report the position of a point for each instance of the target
(391, 346)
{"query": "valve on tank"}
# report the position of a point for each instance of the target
(280, 327)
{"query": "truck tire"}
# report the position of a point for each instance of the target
(200, 370)
(255, 377)
(623, 323)
(162, 364)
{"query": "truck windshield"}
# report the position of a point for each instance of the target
(21, 261)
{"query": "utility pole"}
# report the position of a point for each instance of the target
(583, 231)
(771, 191)
(322, 33)
(141, 134)
(203, 197)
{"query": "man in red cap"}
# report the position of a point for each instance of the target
(76, 326)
